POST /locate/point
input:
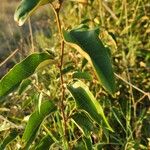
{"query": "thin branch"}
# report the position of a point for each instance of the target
(31, 35)
(110, 11)
(62, 107)
(11, 123)
(41, 91)
(138, 89)
(9, 57)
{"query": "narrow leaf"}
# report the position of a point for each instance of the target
(87, 42)
(26, 8)
(35, 121)
(86, 101)
(82, 75)
(88, 143)
(21, 71)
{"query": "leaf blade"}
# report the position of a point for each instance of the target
(85, 101)
(26, 8)
(35, 121)
(21, 71)
(89, 45)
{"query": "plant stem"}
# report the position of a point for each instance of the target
(62, 105)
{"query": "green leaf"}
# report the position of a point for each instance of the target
(26, 8)
(45, 143)
(88, 143)
(87, 42)
(82, 75)
(13, 134)
(83, 122)
(86, 101)
(35, 121)
(21, 71)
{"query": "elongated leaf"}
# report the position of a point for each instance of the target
(35, 121)
(45, 143)
(87, 42)
(26, 8)
(83, 122)
(8, 139)
(86, 101)
(21, 71)
(82, 75)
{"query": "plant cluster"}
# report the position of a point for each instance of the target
(72, 90)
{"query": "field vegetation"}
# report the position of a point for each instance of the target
(49, 109)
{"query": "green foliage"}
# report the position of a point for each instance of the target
(86, 101)
(26, 8)
(35, 121)
(45, 143)
(87, 42)
(21, 71)
(84, 123)
(13, 134)
(91, 118)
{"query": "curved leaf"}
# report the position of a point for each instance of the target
(26, 8)
(21, 71)
(87, 42)
(86, 101)
(35, 121)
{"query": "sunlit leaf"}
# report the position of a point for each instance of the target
(26, 8)
(86, 101)
(35, 121)
(87, 42)
(21, 71)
